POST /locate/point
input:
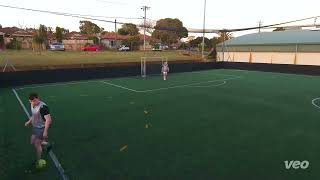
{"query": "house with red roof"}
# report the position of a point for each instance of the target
(114, 40)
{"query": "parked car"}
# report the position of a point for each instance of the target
(93, 47)
(124, 48)
(57, 47)
(165, 47)
(159, 47)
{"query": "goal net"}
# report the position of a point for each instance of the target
(151, 65)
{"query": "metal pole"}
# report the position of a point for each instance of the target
(224, 39)
(296, 55)
(144, 29)
(260, 24)
(144, 8)
(204, 26)
(115, 30)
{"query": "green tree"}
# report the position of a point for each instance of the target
(94, 39)
(214, 41)
(169, 30)
(198, 42)
(40, 38)
(59, 34)
(280, 29)
(64, 31)
(43, 33)
(88, 27)
(224, 36)
(49, 30)
(1, 42)
(129, 29)
(14, 44)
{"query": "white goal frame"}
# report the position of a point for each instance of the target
(144, 61)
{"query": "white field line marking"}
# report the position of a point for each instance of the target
(203, 72)
(122, 87)
(185, 85)
(213, 85)
(170, 87)
(55, 84)
(85, 82)
(52, 155)
(314, 102)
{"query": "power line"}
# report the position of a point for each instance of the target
(107, 17)
(91, 17)
(268, 26)
(95, 18)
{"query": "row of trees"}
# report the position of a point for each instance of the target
(210, 43)
(167, 31)
(170, 31)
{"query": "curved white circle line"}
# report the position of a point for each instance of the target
(314, 102)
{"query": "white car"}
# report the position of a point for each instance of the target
(124, 48)
(57, 47)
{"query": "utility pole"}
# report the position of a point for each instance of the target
(224, 44)
(260, 25)
(115, 31)
(204, 27)
(144, 8)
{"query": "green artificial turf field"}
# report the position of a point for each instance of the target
(217, 124)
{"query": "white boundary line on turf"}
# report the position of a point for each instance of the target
(118, 86)
(89, 81)
(55, 84)
(204, 71)
(214, 85)
(170, 87)
(52, 155)
(314, 102)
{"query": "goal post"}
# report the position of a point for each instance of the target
(145, 61)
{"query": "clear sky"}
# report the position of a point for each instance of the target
(220, 14)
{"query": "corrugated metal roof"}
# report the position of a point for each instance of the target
(277, 38)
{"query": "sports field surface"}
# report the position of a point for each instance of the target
(217, 124)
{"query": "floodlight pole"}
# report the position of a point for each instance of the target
(223, 44)
(204, 27)
(144, 8)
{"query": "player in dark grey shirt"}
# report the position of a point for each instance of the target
(40, 121)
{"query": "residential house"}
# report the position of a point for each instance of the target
(113, 40)
(76, 41)
(23, 36)
(148, 40)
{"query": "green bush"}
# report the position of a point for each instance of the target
(14, 44)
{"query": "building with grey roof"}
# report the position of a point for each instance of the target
(281, 47)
